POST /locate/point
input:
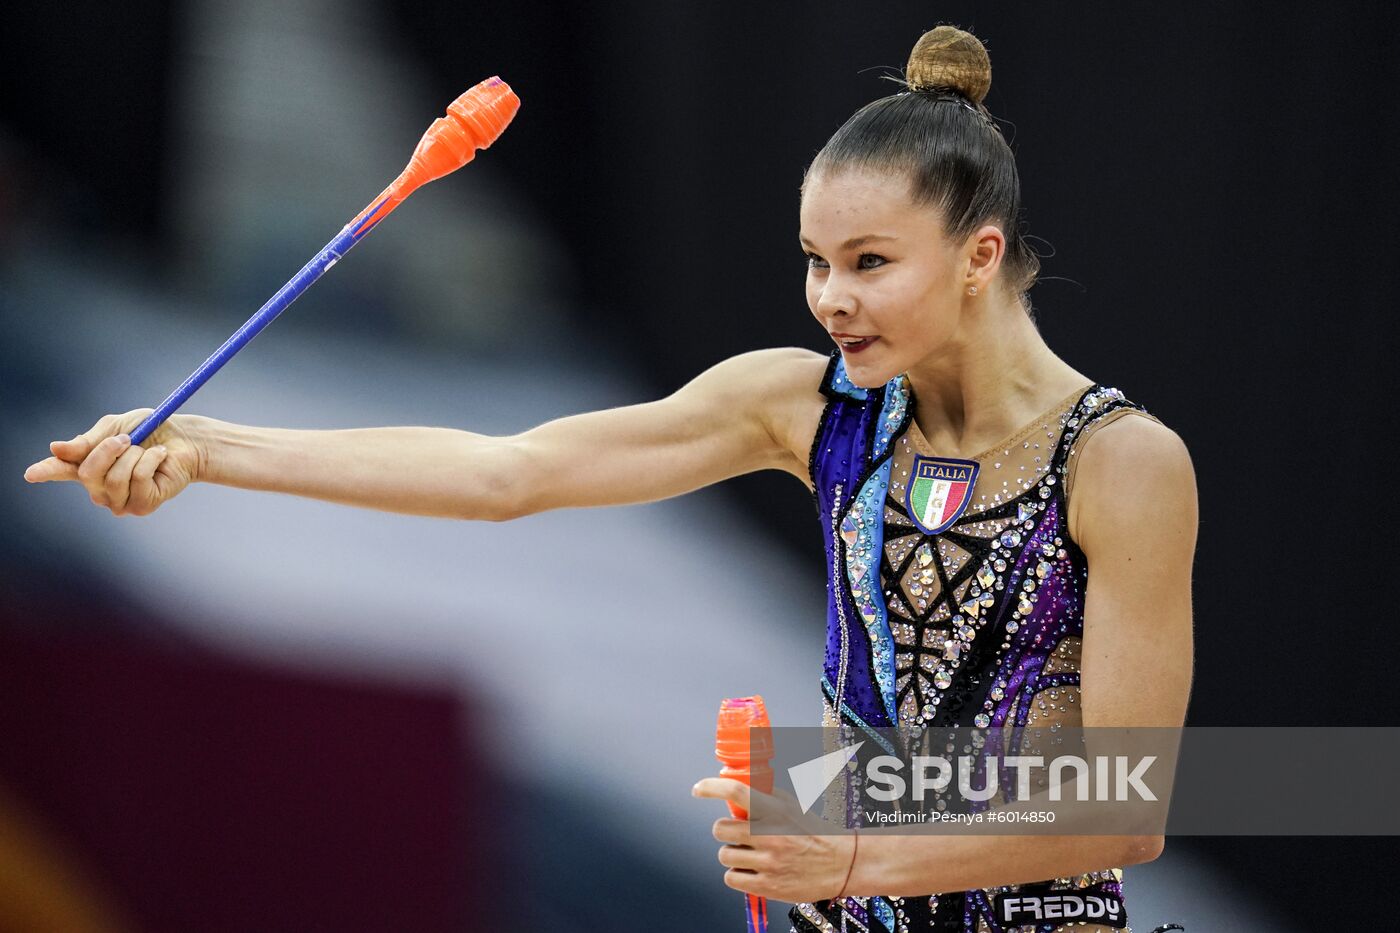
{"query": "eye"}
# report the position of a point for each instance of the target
(814, 261)
(871, 261)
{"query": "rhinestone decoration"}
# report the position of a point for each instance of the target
(981, 624)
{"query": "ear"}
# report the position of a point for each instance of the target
(983, 253)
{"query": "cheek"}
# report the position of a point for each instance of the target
(920, 298)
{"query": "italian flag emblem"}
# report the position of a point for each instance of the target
(939, 491)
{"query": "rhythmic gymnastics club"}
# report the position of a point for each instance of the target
(744, 745)
(474, 121)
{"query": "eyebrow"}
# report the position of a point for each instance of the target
(854, 242)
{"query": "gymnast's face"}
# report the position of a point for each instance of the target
(882, 279)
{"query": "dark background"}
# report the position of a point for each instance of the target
(1215, 182)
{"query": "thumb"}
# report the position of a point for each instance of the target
(786, 797)
(74, 451)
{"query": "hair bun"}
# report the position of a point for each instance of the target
(947, 56)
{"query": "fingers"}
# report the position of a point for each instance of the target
(742, 880)
(727, 829)
(787, 798)
(742, 858)
(144, 495)
(117, 483)
(93, 471)
(116, 475)
(51, 470)
(76, 450)
(736, 792)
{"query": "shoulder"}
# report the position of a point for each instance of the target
(753, 380)
(778, 389)
(1129, 444)
(795, 403)
(763, 382)
(1132, 474)
(780, 370)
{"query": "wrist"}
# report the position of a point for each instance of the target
(849, 875)
(205, 437)
(872, 871)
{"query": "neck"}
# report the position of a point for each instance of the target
(993, 377)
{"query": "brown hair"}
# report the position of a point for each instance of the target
(940, 133)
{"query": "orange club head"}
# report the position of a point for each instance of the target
(474, 121)
(744, 745)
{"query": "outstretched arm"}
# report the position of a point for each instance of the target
(744, 414)
(748, 413)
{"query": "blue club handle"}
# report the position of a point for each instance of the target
(275, 305)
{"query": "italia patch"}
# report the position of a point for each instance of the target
(939, 491)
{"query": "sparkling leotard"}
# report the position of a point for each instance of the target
(979, 625)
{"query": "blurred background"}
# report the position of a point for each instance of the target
(259, 713)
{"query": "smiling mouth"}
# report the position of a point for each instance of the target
(854, 344)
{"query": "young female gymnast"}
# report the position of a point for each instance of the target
(1007, 540)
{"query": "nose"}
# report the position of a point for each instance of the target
(835, 299)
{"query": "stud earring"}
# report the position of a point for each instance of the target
(972, 289)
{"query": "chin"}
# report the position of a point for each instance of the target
(868, 375)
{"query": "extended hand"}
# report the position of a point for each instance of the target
(127, 480)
